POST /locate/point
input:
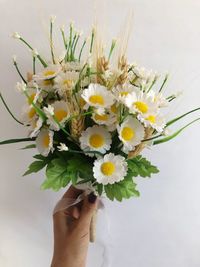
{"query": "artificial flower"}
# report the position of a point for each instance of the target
(44, 142)
(57, 113)
(110, 169)
(131, 133)
(154, 120)
(62, 147)
(139, 102)
(48, 73)
(66, 81)
(95, 138)
(98, 96)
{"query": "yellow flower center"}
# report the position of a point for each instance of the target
(47, 82)
(46, 141)
(123, 93)
(49, 73)
(151, 118)
(103, 117)
(82, 102)
(31, 113)
(96, 99)
(68, 83)
(127, 133)
(114, 108)
(96, 140)
(108, 168)
(31, 98)
(141, 106)
(60, 114)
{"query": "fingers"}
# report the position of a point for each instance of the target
(87, 211)
(72, 192)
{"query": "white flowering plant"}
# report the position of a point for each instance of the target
(91, 115)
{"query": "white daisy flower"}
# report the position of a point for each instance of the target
(139, 102)
(66, 81)
(72, 66)
(131, 133)
(156, 121)
(60, 111)
(159, 99)
(98, 96)
(16, 35)
(110, 169)
(62, 147)
(28, 114)
(44, 142)
(35, 126)
(21, 87)
(140, 76)
(47, 73)
(95, 138)
(121, 91)
(107, 119)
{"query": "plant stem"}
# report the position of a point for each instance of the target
(7, 108)
(38, 56)
(18, 71)
(51, 42)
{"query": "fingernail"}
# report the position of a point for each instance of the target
(92, 198)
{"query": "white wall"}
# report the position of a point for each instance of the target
(162, 227)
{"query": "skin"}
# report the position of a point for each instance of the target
(71, 232)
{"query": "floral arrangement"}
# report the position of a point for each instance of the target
(91, 115)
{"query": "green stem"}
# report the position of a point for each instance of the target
(12, 141)
(92, 41)
(111, 49)
(38, 56)
(168, 138)
(182, 116)
(81, 51)
(164, 82)
(152, 138)
(152, 84)
(85, 151)
(64, 39)
(7, 108)
(34, 69)
(18, 71)
(75, 45)
(51, 42)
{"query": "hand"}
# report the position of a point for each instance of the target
(72, 231)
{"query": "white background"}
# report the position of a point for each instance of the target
(162, 227)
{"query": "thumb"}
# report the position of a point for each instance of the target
(88, 209)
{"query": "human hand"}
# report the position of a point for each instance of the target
(72, 231)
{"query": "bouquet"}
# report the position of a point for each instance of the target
(90, 114)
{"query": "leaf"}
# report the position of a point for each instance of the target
(29, 147)
(57, 175)
(35, 166)
(61, 171)
(140, 166)
(123, 189)
(100, 189)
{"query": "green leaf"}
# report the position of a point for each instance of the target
(57, 175)
(124, 189)
(100, 189)
(29, 147)
(35, 166)
(12, 141)
(140, 166)
(61, 171)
